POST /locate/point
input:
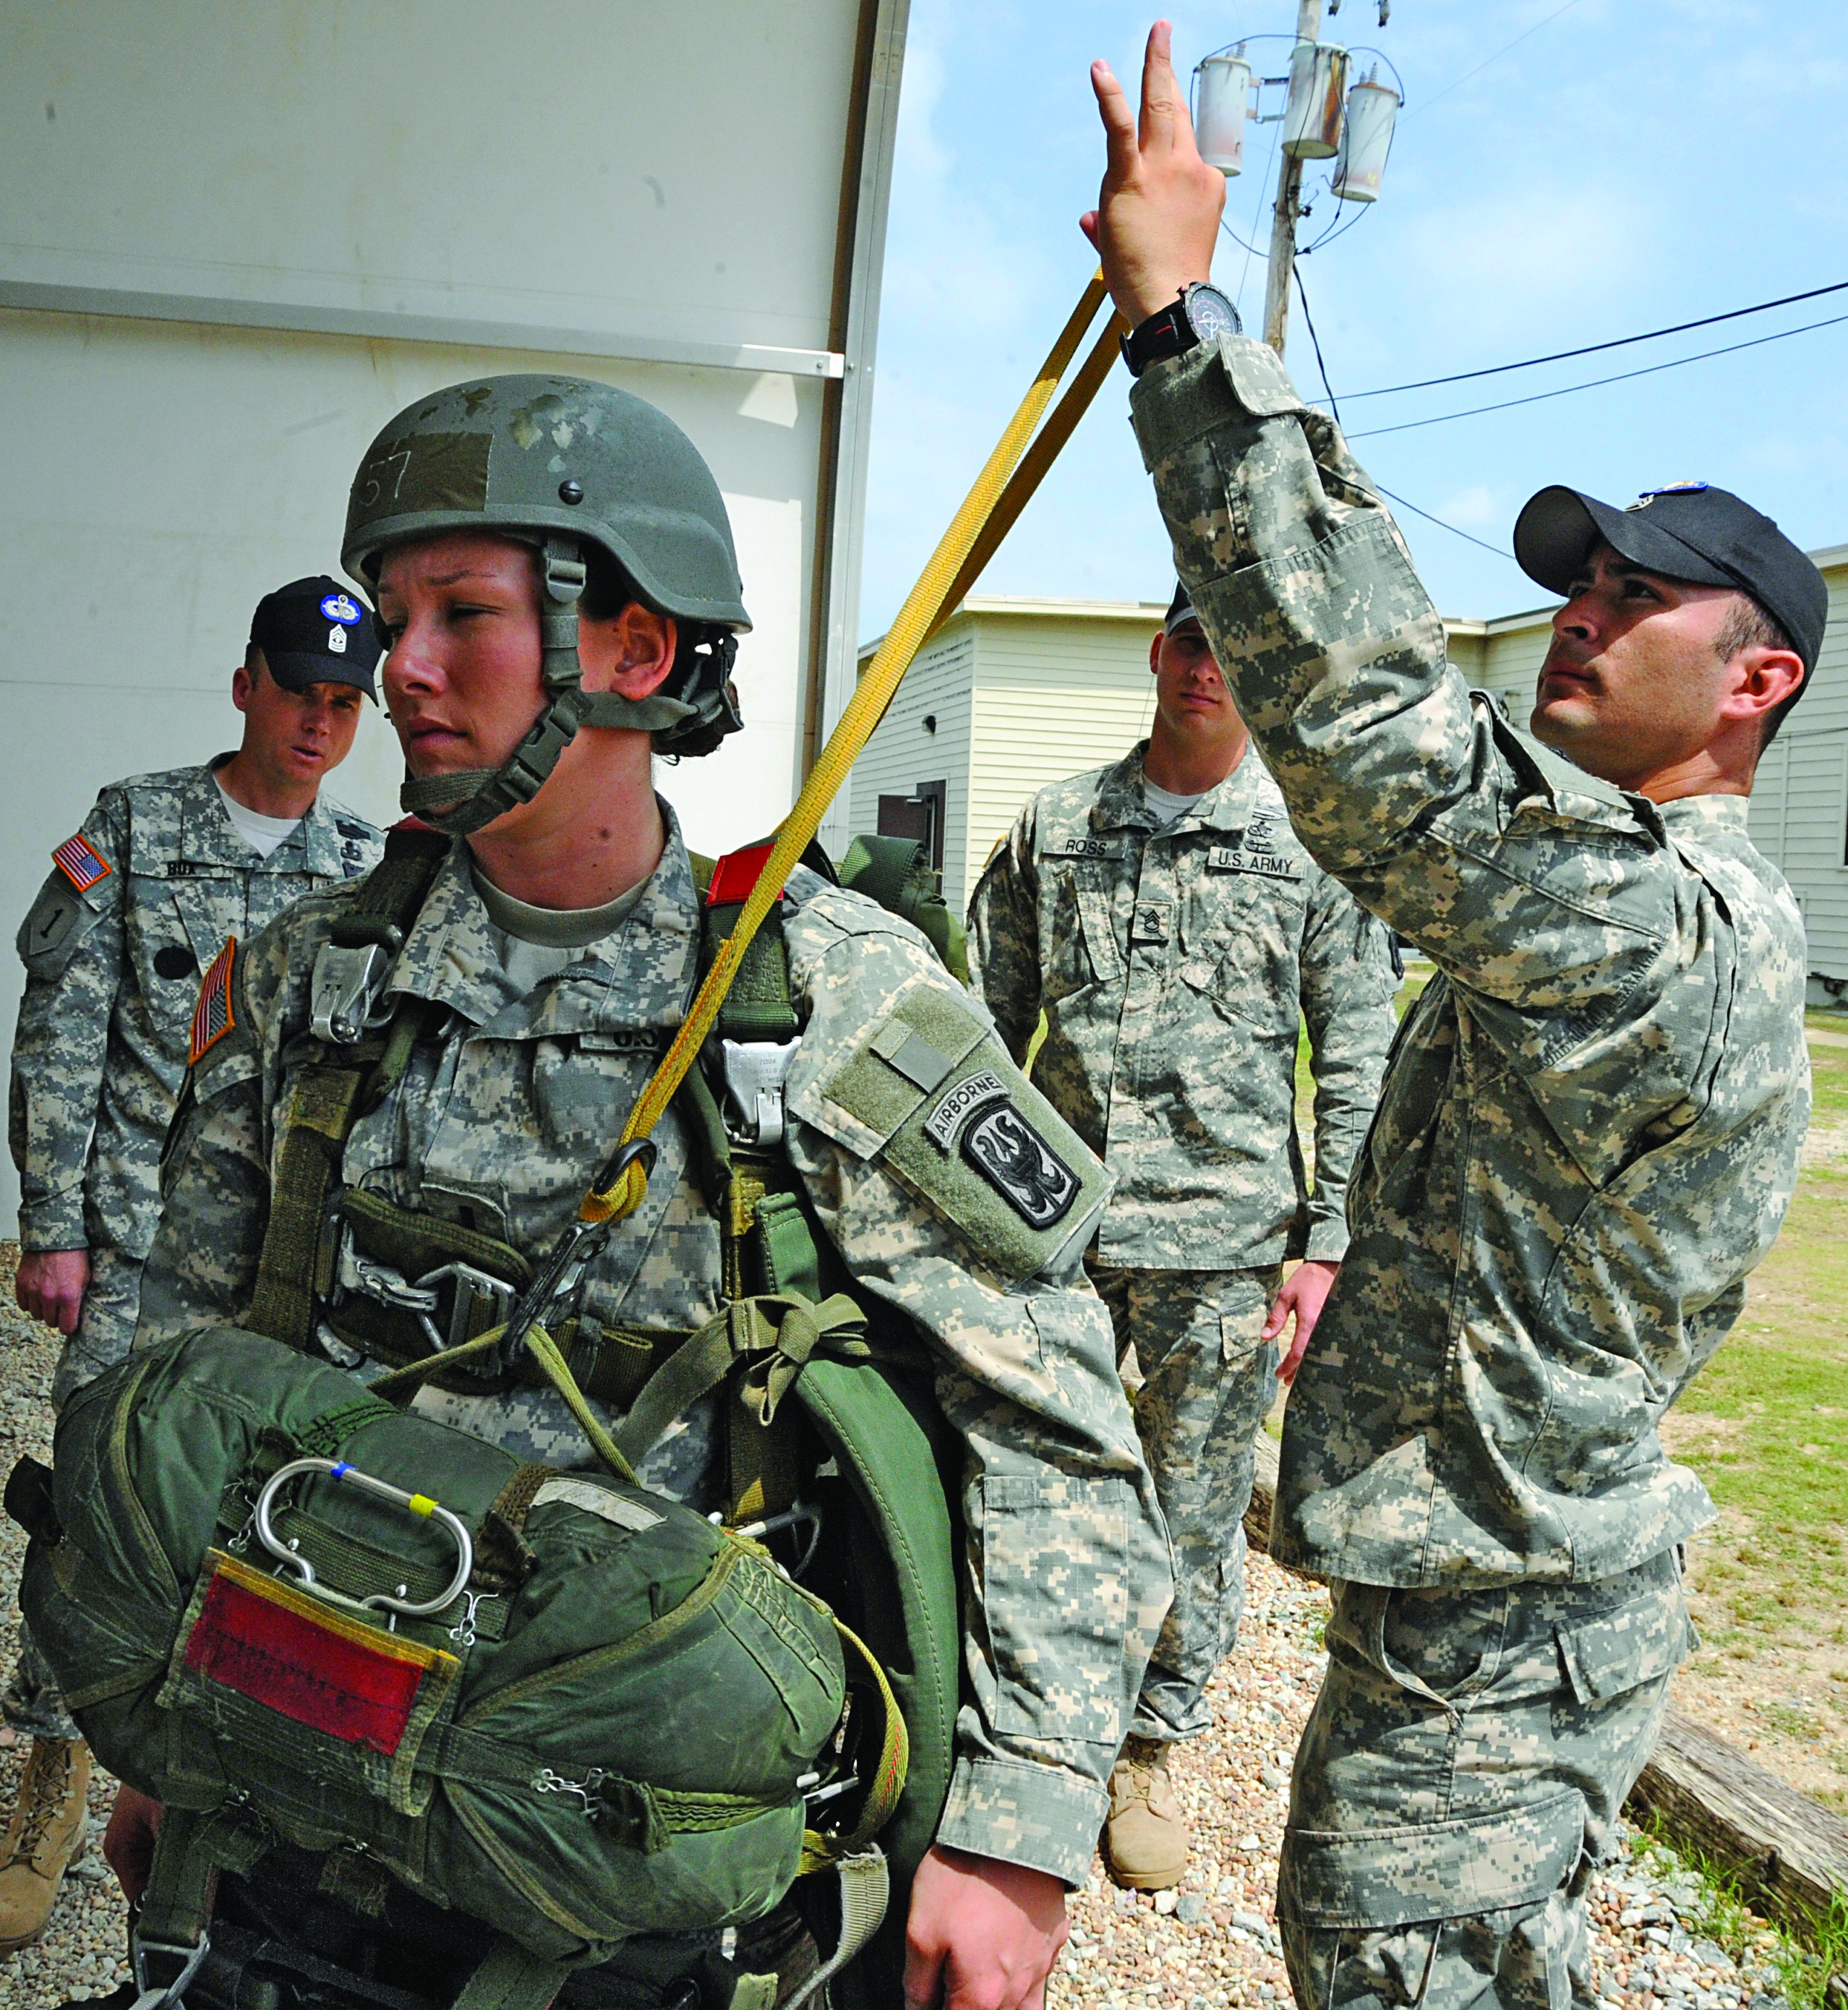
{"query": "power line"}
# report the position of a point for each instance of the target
(1623, 377)
(1309, 322)
(1427, 103)
(1592, 349)
(1441, 525)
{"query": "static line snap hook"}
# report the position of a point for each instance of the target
(641, 1152)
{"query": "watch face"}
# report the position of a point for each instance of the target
(1210, 315)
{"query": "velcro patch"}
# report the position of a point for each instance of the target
(287, 1651)
(618, 1509)
(1082, 848)
(81, 863)
(982, 1147)
(212, 1017)
(1238, 858)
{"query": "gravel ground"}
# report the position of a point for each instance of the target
(1210, 1946)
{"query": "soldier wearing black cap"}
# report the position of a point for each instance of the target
(165, 871)
(1586, 1137)
(1696, 695)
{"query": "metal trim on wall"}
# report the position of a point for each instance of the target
(382, 324)
(847, 415)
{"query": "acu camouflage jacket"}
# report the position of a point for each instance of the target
(1590, 1127)
(137, 905)
(513, 1103)
(1173, 967)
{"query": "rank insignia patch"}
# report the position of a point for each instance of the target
(1021, 1166)
(81, 863)
(211, 1016)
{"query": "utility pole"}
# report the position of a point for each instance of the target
(1283, 220)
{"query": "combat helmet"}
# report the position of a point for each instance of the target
(562, 464)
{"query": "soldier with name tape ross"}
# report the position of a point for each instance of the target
(140, 903)
(1175, 933)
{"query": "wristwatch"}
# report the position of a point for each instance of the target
(1201, 314)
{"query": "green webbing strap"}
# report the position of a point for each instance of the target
(190, 1850)
(864, 1886)
(326, 1102)
(510, 1978)
(776, 1333)
(321, 1110)
(181, 1882)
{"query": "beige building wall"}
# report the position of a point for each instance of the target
(1800, 806)
(1023, 692)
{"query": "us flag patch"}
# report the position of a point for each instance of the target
(81, 863)
(211, 1016)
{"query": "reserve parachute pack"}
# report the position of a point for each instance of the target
(571, 1708)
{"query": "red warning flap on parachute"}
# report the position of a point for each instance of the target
(286, 1650)
(735, 874)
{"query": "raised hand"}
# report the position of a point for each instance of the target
(1157, 218)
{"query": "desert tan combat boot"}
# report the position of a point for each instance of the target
(46, 1835)
(1146, 1841)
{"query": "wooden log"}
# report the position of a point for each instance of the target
(1789, 1852)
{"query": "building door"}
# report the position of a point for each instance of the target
(918, 816)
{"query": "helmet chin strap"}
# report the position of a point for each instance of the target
(472, 797)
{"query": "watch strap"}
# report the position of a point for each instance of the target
(1166, 332)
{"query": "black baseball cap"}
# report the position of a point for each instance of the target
(1179, 609)
(315, 631)
(1690, 530)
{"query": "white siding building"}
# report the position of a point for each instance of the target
(1010, 695)
(1013, 694)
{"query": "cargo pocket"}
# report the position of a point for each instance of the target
(1052, 1554)
(1620, 1651)
(1430, 1870)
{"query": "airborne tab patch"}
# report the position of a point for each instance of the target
(81, 863)
(940, 1125)
(211, 1016)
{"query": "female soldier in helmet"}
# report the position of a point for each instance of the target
(554, 570)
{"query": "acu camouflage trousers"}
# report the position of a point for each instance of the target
(31, 1702)
(1458, 1781)
(1207, 1385)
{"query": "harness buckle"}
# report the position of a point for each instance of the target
(471, 1287)
(367, 1277)
(345, 991)
(754, 1073)
(165, 1996)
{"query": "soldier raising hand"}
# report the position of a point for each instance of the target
(1588, 1137)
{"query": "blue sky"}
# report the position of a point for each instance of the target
(1630, 163)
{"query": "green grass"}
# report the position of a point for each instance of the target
(1766, 1424)
(1803, 1965)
